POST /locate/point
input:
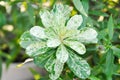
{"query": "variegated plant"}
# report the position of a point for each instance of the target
(59, 42)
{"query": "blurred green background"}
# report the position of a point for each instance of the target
(17, 16)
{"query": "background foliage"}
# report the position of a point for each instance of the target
(17, 16)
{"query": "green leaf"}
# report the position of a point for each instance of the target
(102, 34)
(79, 7)
(98, 13)
(116, 51)
(93, 78)
(109, 64)
(38, 31)
(26, 39)
(62, 54)
(78, 66)
(31, 14)
(0, 68)
(110, 26)
(77, 46)
(85, 5)
(2, 19)
(42, 59)
(36, 48)
(86, 20)
(74, 22)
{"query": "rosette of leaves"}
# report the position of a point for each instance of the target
(59, 42)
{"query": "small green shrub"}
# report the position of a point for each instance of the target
(59, 42)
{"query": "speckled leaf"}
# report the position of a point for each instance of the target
(46, 18)
(78, 66)
(63, 10)
(58, 67)
(74, 22)
(38, 31)
(54, 67)
(42, 59)
(26, 39)
(72, 33)
(50, 64)
(88, 35)
(48, 45)
(77, 46)
(61, 14)
(62, 54)
(50, 33)
(36, 48)
(53, 43)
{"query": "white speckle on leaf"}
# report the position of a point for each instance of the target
(88, 35)
(46, 18)
(36, 49)
(77, 46)
(53, 43)
(74, 22)
(79, 67)
(37, 32)
(62, 54)
(60, 34)
(58, 67)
